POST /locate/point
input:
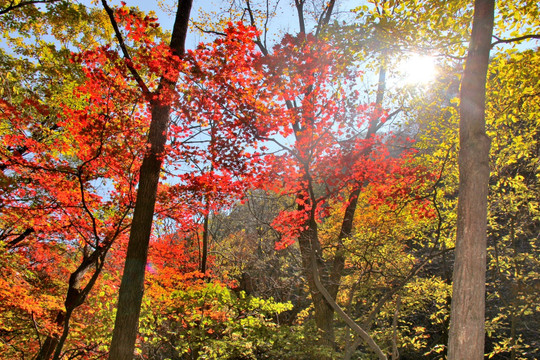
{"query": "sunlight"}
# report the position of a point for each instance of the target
(417, 69)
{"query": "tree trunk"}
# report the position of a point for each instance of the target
(330, 276)
(204, 255)
(343, 315)
(132, 285)
(395, 349)
(466, 338)
(50, 343)
(75, 297)
(310, 250)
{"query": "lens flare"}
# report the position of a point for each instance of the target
(418, 69)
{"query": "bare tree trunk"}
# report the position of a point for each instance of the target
(77, 294)
(132, 286)
(466, 338)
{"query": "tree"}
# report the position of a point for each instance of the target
(219, 101)
(60, 197)
(117, 119)
(132, 287)
(508, 12)
(318, 162)
(466, 337)
(57, 213)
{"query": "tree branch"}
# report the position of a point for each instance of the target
(20, 238)
(260, 44)
(342, 314)
(516, 39)
(300, 9)
(125, 51)
(37, 329)
(25, 3)
(324, 19)
(218, 33)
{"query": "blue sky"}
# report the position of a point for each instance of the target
(285, 22)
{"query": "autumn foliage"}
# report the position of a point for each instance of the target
(280, 181)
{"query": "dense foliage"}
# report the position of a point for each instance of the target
(307, 199)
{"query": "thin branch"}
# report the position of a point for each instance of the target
(260, 44)
(81, 187)
(218, 33)
(267, 19)
(283, 147)
(37, 329)
(388, 118)
(324, 19)
(87, 209)
(371, 316)
(125, 51)
(25, 3)
(516, 39)
(389, 294)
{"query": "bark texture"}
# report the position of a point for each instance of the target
(466, 338)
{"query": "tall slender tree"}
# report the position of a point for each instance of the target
(132, 286)
(466, 338)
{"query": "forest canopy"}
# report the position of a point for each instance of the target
(269, 180)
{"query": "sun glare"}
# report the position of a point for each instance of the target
(418, 69)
